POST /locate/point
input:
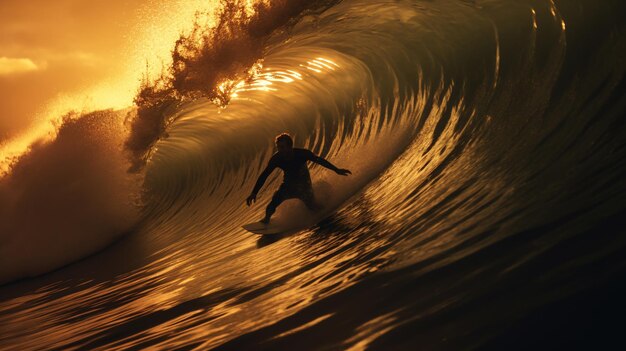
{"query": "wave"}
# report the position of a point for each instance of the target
(206, 62)
(486, 138)
(67, 196)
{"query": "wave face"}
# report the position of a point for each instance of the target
(487, 145)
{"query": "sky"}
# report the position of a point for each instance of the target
(74, 53)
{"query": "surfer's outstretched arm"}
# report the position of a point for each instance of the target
(260, 181)
(325, 163)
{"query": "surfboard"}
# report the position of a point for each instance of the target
(264, 229)
(295, 219)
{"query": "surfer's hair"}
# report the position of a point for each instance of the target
(284, 138)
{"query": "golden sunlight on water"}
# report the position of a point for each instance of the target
(147, 52)
(412, 246)
(319, 64)
(263, 78)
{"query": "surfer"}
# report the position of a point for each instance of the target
(296, 180)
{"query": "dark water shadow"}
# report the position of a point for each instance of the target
(269, 239)
(471, 303)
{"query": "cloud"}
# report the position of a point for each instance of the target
(18, 65)
(79, 57)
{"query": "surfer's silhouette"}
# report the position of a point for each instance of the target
(296, 181)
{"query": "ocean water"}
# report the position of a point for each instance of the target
(486, 208)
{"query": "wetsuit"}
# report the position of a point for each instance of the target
(296, 180)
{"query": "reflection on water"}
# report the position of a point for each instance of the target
(471, 203)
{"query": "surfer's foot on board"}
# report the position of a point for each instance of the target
(265, 220)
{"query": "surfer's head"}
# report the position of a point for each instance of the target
(284, 143)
